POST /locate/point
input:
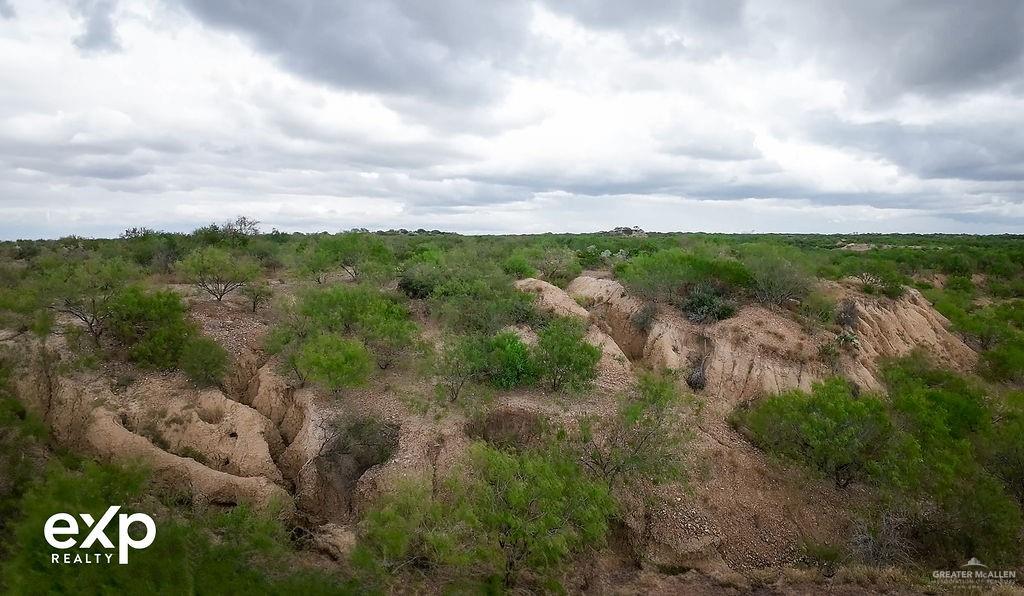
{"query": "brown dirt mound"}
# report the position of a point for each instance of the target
(552, 299)
(887, 328)
(614, 371)
(756, 351)
(108, 439)
(746, 510)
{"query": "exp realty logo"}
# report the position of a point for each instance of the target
(90, 549)
(974, 573)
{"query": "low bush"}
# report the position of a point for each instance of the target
(668, 275)
(257, 293)
(224, 553)
(379, 321)
(706, 304)
(936, 451)
(386, 330)
(1005, 362)
(645, 439)
(419, 280)
(518, 266)
(565, 359)
(558, 266)
(843, 437)
(777, 280)
(150, 325)
(462, 361)
(511, 363)
(203, 360)
(513, 513)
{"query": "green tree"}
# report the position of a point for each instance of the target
(257, 293)
(537, 509)
(385, 328)
(85, 290)
(334, 361)
(357, 254)
(463, 360)
(216, 271)
(564, 357)
(645, 439)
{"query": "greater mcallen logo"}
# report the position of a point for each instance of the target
(975, 573)
(64, 524)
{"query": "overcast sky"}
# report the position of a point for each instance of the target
(505, 116)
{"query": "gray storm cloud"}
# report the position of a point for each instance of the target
(509, 116)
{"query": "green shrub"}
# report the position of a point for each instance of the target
(150, 325)
(1005, 362)
(818, 308)
(204, 361)
(935, 451)
(515, 513)
(843, 437)
(558, 266)
(644, 441)
(705, 304)
(409, 527)
(1003, 449)
(359, 255)
(518, 266)
(257, 293)
(419, 280)
(510, 362)
(85, 290)
(667, 275)
(565, 359)
(381, 324)
(22, 436)
(335, 362)
(337, 309)
(482, 305)
(224, 553)
(776, 279)
(386, 330)
(536, 509)
(589, 257)
(463, 360)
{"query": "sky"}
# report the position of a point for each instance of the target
(505, 116)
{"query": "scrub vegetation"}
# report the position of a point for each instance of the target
(596, 442)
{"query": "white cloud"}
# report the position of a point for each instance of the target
(669, 116)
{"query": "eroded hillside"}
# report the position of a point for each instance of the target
(271, 435)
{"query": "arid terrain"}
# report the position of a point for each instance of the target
(273, 434)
